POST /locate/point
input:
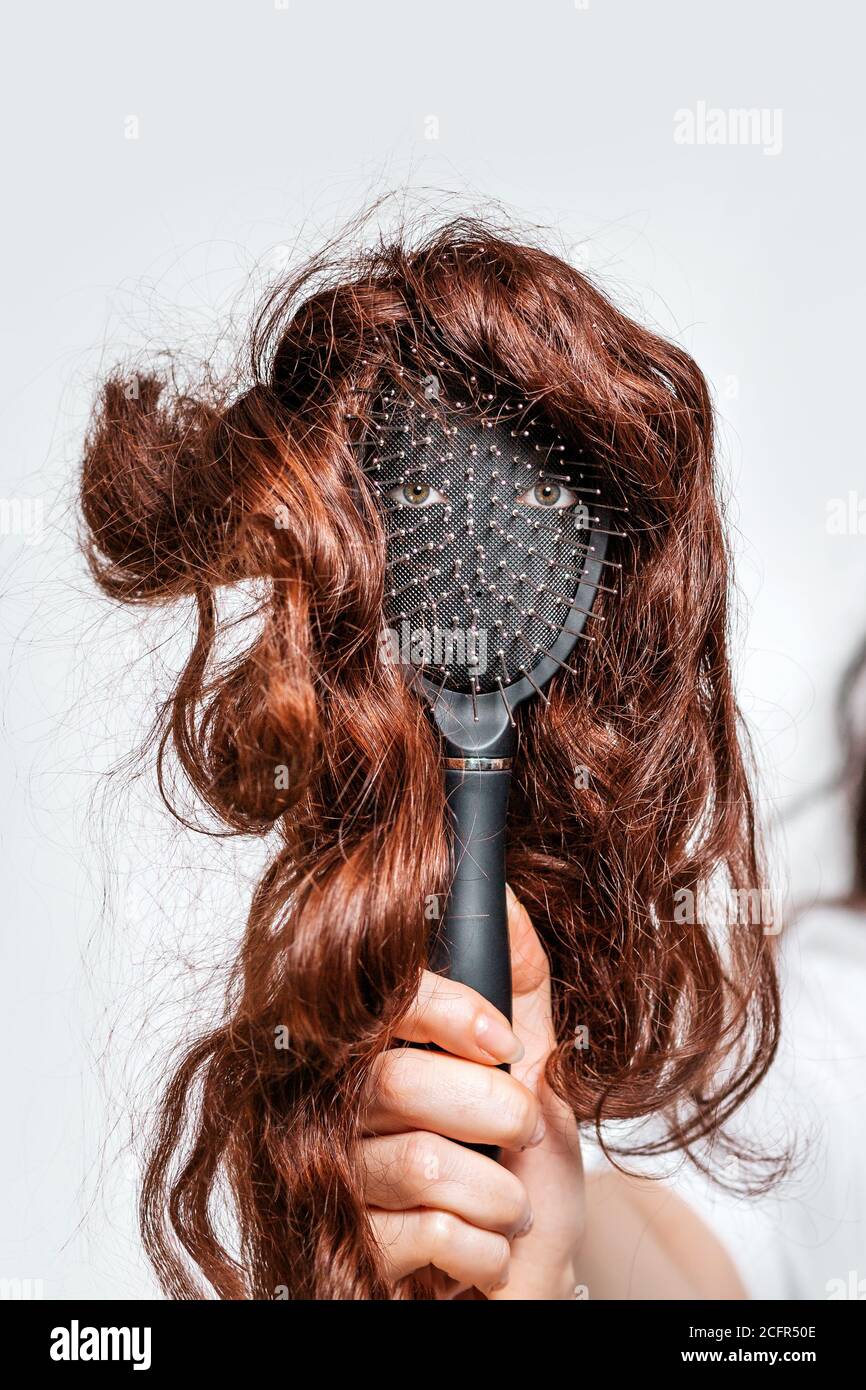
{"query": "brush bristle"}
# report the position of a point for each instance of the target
(487, 515)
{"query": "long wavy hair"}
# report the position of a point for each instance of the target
(630, 803)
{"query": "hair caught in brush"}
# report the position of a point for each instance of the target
(630, 794)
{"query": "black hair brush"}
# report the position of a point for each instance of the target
(496, 543)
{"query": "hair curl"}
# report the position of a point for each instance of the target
(184, 493)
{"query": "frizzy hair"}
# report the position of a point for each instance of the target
(630, 793)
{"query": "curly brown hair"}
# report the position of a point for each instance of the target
(260, 481)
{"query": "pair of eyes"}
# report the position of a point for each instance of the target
(546, 494)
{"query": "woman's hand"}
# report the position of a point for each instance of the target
(509, 1230)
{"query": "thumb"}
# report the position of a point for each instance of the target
(533, 1018)
(529, 966)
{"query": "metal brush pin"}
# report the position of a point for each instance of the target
(496, 543)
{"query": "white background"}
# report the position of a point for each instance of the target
(259, 131)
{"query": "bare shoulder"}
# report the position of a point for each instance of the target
(643, 1241)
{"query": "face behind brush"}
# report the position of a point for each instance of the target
(487, 525)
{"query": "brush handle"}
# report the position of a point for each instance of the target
(472, 942)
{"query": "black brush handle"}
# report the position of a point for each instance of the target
(472, 942)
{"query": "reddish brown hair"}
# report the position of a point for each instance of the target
(185, 492)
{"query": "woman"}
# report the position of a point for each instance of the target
(532, 1227)
(336, 1145)
(539, 1227)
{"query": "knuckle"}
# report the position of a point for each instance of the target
(491, 1086)
(441, 1230)
(388, 1081)
(367, 1159)
(421, 1157)
(459, 1009)
(515, 1202)
(466, 1089)
(464, 1014)
(500, 1259)
(517, 1115)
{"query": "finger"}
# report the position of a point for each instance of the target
(530, 970)
(410, 1240)
(418, 1169)
(411, 1089)
(460, 1020)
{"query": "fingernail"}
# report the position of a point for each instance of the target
(494, 1037)
(525, 1228)
(538, 1133)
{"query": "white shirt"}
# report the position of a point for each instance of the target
(806, 1239)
